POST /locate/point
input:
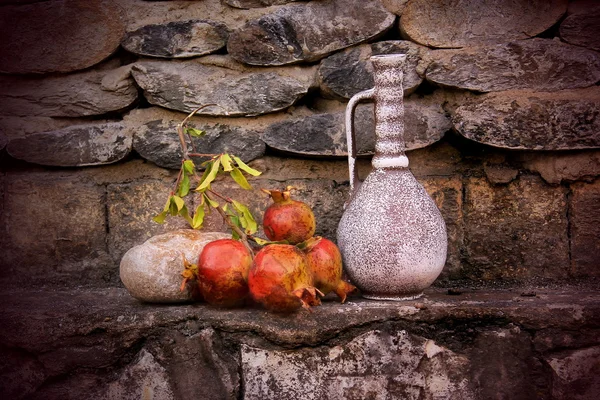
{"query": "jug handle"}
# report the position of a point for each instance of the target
(350, 137)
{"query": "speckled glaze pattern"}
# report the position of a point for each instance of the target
(392, 235)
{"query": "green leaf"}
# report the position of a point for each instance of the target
(185, 214)
(240, 179)
(263, 242)
(184, 186)
(210, 202)
(189, 167)
(160, 218)
(193, 132)
(246, 218)
(198, 217)
(210, 177)
(179, 203)
(235, 221)
(226, 162)
(245, 167)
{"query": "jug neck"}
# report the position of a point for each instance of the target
(389, 111)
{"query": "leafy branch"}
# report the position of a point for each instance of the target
(236, 214)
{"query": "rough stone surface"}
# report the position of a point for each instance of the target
(178, 39)
(308, 32)
(55, 230)
(187, 85)
(78, 344)
(151, 271)
(564, 120)
(556, 168)
(529, 224)
(585, 229)
(538, 64)
(256, 3)
(157, 141)
(324, 134)
(411, 367)
(76, 146)
(447, 194)
(131, 207)
(582, 29)
(348, 72)
(143, 378)
(59, 36)
(447, 23)
(395, 6)
(573, 374)
(92, 92)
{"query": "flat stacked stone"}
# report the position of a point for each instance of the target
(76, 146)
(585, 229)
(177, 39)
(582, 28)
(156, 139)
(324, 134)
(526, 120)
(348, 72)
(308, 32)
(58, 36)
(187, 85)
(256, 3)
(92, 92)
(538, 64)
(450, 24)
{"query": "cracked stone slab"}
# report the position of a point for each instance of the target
(571, 373)
(96, 92)
(375, 364)
(348, 72)
(59, 36)
(76, 146)
(177, 39)
(187, 85)
(526, 120)
(451, 24)
(582, 28)
(324, 134)
(308, 32)
(536, 64)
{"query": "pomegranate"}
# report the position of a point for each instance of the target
(287, 219)
(280, 279)
(325, 262)
(222, 273)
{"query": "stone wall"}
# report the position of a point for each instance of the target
(502, 114)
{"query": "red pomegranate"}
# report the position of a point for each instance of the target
(325, 262)
(280, 279)
(223, 272)
(288, 219)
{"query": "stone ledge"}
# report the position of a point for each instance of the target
(103, 343)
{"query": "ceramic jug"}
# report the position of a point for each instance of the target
(392, 235)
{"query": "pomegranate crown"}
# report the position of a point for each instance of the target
(279, 195)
